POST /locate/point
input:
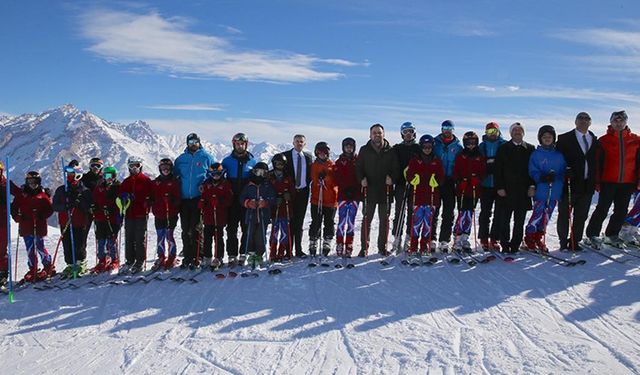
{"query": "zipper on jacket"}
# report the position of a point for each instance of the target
(620, 175)
(193, 156)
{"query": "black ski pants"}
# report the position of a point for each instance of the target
(619, 195)
(580, 211)
(448, 197)
(508, 241)
(322, 217)
(298, 212)
(486, 227)
(79, 243)
(235, 219)
(135, 232)
(213, 240)
(189, 223)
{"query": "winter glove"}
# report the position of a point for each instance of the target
(475, 181)
(250, 204)
(201, 204)
(363, 183)
(263, 203)
(348, 193)
(388, 180)
(286, 196)
(549, 177)
(490, 164)
(322, 175)
(279, 201)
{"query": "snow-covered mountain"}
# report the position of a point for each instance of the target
(38, 141)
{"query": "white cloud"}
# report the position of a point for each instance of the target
(555, 92)
(167, 45)
(187, 107)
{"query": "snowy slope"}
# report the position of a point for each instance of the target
(529, 317)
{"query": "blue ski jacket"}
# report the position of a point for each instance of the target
(192, 170)
(541, 162)
(489, 149)
(447, 153)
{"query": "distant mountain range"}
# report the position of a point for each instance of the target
(39, 141)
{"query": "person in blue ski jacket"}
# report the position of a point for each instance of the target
(238, 165)
(257, 197)
(446, 148)
(489, 231)
(191, 168)
(547, 169)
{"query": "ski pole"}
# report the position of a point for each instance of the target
(64, 230)
(8, 203)
(286, 205)
(546, 214)
(401, 216)
(414, 183)
(215, 228)
(365, 221)
(570, 216)
(70, 218)
(473, 218)
(433, 183)
(388, 206)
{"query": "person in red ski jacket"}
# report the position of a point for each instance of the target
(617, 178)
(165, 195)
(468, 172)
(30, 209)
(348, 196)
(424, 174)
(107, 217)
(217, 196)
(284, 186)
(324, 200)
(73, 199)
(135, 194)
(4, 260)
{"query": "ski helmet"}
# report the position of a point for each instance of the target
(240, 138)
(492, 125)
(426, 139)
(33, 175)
(448, 125)
(134, 162)
(348, 141)
(279, 158)
(193, 138)
(260, 169)
(110, 173)
(216, 170)
(321, 147)
(407, 127)
(546, 129)
(167, 162)
(619, 114)
(96, 163)
(75, 171)
(470, 138)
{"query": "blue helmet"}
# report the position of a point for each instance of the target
(216, 169)
(426, 139)
(408, 126)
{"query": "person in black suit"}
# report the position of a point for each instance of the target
(579, 147)
(299, 168)
(514, 187)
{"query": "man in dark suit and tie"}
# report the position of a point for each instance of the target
(579, 148)
(299, 167)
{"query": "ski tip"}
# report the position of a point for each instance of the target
(11, 299)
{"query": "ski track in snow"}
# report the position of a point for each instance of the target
(527, 317)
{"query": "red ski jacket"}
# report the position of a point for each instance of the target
(329, 188)
(165, 194)
(618, 157)
(137, 188)
(468, 172)
(31, 209)
(284, 187)
(104, 202)
(425, 169)
(346, 179)
(215, 202)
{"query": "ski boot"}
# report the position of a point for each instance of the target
(159, 263)
(215, 264)
(49, 270)
(485, 244)
(30, 276)
(4, 276)
(326, 246)
(313, 246)
(206, 263)
(232, 262)
(396, 246)
(593, 242)
(465, 244)
(348, 250)
(614, 241)
(242, 260)
(340, 249)
(101, 266)
(82, 267)
(67, 272)
(135, 268)
(443, 247)
(494, 245)
(530, 242)
(114, 265)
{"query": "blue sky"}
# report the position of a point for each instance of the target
(328, 69)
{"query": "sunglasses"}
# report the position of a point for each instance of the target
(96, 166)
(492, 131)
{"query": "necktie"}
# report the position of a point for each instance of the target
(299, 171)
(586, 144)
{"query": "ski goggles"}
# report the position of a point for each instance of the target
(259, 172)
(447, 128)
(408, 131)
(96, 166)
(134, 165)
(492, 131)
(193, 142)
(109, 176)
(72, 173)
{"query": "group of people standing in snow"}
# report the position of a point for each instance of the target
(425, 178)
